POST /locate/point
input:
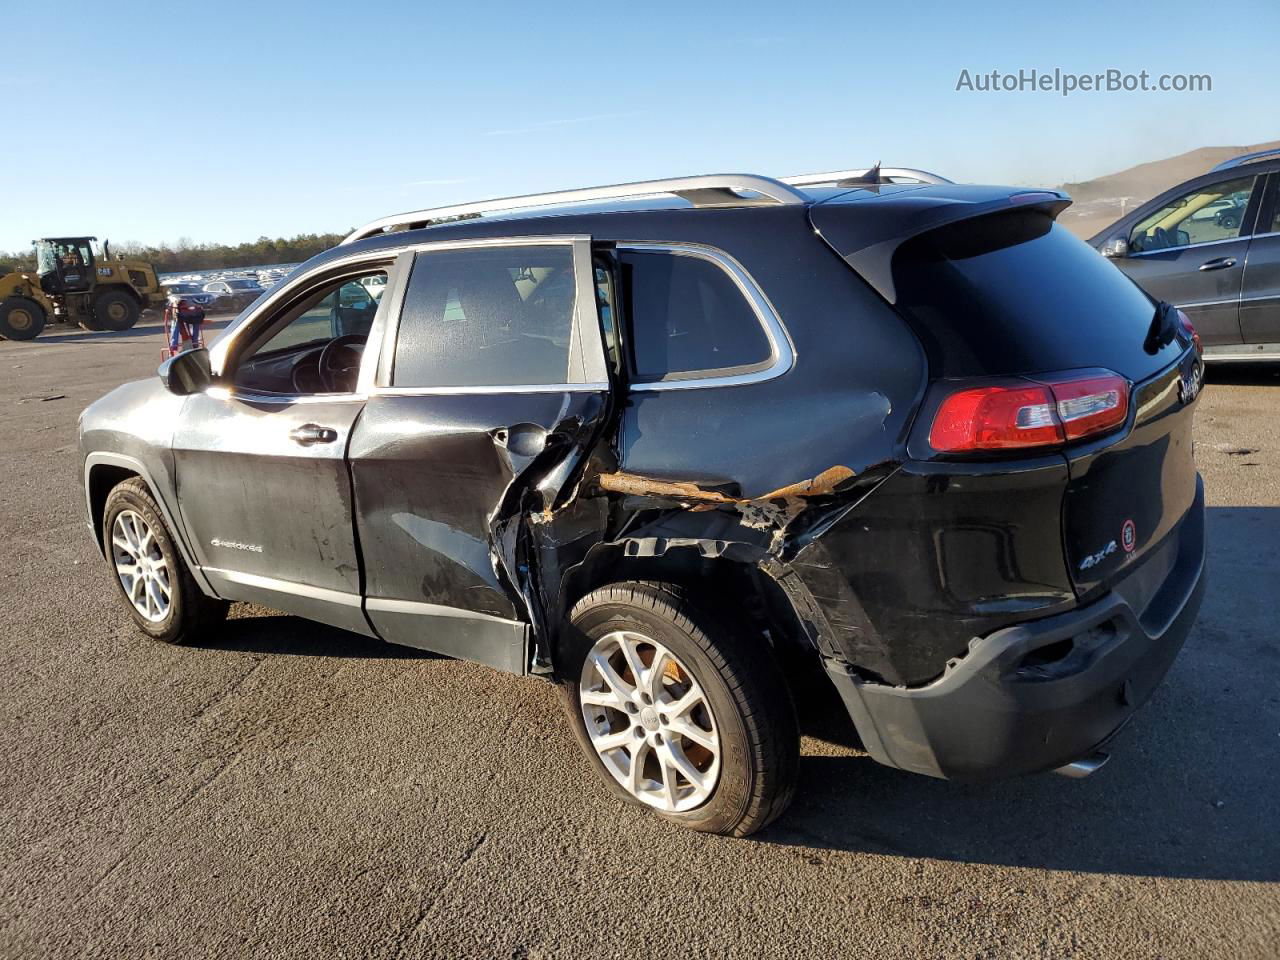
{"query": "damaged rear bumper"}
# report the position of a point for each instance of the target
(1041, 694)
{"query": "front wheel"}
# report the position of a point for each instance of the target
(677, 710)
(21, 319)
(157, 587)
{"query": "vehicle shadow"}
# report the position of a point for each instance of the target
(144, 328)
(1243, 374)
(278, 634)
(1192, 789)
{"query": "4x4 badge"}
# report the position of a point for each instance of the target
(1190, 383)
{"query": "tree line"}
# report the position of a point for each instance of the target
(186, 255)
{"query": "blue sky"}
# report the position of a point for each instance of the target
(233, 120)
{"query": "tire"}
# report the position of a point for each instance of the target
(189, 611)
(115, 310)
(21, 319)
(749, 715)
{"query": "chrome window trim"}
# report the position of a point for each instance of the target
(1187, 246)
(586, 328)
(782, 349)
(250, 396)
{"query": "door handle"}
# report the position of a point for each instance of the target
(1220, 264)
(310, 433)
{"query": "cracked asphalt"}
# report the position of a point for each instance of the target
(290, 790)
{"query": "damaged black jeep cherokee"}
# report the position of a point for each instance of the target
(652, 440)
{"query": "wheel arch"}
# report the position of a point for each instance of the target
(710, 570)
(103, 472)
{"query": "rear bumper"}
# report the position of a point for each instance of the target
(1043, 693)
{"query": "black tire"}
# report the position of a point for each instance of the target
(190, 611)
(115, 310)
(21, 319)
(743, 685)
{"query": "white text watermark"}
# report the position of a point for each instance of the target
(1066, 83)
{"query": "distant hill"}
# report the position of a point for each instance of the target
(1102, 200)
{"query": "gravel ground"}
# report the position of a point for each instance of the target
(292, 790)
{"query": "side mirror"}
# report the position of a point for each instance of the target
(1117, 248)
(187, 373)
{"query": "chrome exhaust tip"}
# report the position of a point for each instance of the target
(1083, 767)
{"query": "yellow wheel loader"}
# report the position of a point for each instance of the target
(75, 283)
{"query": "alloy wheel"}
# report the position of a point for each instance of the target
(140, 565)
(650, 722)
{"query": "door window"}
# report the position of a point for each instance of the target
(487, 317)
(1205, 215)
(287, 357)
(687, 318)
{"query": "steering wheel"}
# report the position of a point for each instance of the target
(339, 362)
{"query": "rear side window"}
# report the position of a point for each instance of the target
(1015, 293)
(687, 318)
(491, 317)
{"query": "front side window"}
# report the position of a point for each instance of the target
(487, 317)
(1205, 215)
(687, 318)
(316, 343)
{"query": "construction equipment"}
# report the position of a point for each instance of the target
(75, 282)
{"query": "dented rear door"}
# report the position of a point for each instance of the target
(491, 389)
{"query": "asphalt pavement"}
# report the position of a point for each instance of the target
(290, 790)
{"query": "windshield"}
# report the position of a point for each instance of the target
(243, 284)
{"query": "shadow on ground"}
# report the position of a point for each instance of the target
(1192, 789)
(1243, 374)
(148, 327)
(282, 635)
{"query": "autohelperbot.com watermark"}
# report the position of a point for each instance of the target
(1065, 82)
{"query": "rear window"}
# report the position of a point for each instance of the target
(687, 318)
(1016, 293)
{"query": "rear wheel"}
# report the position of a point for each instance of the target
(115, 310)
(674, 713)
(157, 587)
(21, 319)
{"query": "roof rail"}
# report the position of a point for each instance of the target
(712, 190)
(886, 174)
(1246, 158)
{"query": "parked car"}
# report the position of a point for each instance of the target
(191, 292)
(1211, 246)
(234, 293)
(914, 435)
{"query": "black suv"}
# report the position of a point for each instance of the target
(654, 440)
(1212, 247)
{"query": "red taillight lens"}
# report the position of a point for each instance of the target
(995, 418)
(1024, 414)
(1189, 329)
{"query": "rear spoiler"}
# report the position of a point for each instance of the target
(868, 231)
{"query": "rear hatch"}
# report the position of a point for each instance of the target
(1001, 290)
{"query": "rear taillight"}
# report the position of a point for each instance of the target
(1189, 329)
(1020, 414)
